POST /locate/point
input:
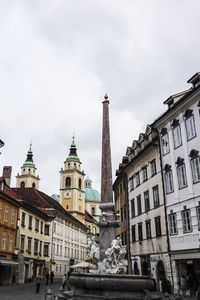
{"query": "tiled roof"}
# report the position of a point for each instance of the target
(88, 216)
(39, 199)
(7, 191)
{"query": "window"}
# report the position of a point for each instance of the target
(79, 183)
(198, 216)
(182, 180)
(165, 142)
(40, 252)
(144, 173)
(146, 201)
(186, 219)
(6, 214)
(33, 185)
(190, 127)
(23, 219)
(61, 250)
(22, 243)
(139, 205)
(36, 225)
(53, 249)
(140, 235)
(122, 214)
(29, 245)
(158, 226)
(54, 227)
(148, 229)
(168, 179)
(195, 166)
(13, 216)
(131, 184)
(10, 243)
(172, 224)
(137, 178)
(46, 229)
(133, 208)
(0, 210)
(41, 227)
(46, 250)
(93, 211)
(155, 196)
(133, 233)
(57, 250)
(176, 134)
(22, 184)
(68, 182)
(3, 246)
(35, 247)
(30, 222)
(153, 167)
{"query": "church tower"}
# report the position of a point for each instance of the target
(72, 185)
(28, 176)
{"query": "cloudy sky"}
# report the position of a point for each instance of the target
(58, 58)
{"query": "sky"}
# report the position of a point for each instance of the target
(58, 58)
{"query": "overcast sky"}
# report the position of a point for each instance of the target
(58, 58)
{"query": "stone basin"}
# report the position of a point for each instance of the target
(109, 286)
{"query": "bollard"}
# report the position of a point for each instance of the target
(48, 294)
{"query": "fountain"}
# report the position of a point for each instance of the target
(109, 281)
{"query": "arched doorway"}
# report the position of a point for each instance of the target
(145, 268)
(136, 269)
(160, 270)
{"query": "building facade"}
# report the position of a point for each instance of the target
(148, 230)
(180, 145)
(8, 227)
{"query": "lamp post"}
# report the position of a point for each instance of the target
(1, 144)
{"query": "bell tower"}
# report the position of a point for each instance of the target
(72, 185)
(28, 176)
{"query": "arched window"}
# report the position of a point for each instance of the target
(79, 183)
(33, 185)
(22, 184)
(68, 182)
(93, 211)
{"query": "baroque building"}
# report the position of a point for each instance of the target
(28, 176)
(72, 185)
(179, 134)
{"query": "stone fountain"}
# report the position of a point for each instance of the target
(109, 281)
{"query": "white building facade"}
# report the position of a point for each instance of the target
(179, 129)
(69, 242)
(148, 231)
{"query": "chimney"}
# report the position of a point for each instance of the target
(7, 170)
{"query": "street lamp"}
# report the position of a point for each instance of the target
(1, 144)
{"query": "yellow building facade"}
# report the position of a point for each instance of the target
(28, 176)
(72, 185)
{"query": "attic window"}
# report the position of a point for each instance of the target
(171, 104)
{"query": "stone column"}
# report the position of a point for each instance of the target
(107, 222)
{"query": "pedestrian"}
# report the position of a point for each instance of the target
(47, 277)
(69, 273)
(183, 285)
(64, 280)
(51, 277)
(38, 282)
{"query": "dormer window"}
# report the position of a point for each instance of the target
(171, 104)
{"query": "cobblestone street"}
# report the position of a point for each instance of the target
(28, 291)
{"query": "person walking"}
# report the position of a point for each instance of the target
(38, 283)
(47, 277)
(51, 277)
(64, 280)
(183, 285)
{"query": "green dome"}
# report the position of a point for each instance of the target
(72, 154)
(92, 195)
(29, 164)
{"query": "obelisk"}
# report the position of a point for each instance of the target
(107, 222)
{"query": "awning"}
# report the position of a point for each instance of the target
(7, 262)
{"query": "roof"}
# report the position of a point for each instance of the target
(92, 195)
(89, 217)
(39, 199)
(7, 191)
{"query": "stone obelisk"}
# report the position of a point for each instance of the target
(108, 221)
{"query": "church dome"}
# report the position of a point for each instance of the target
(90, 193)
